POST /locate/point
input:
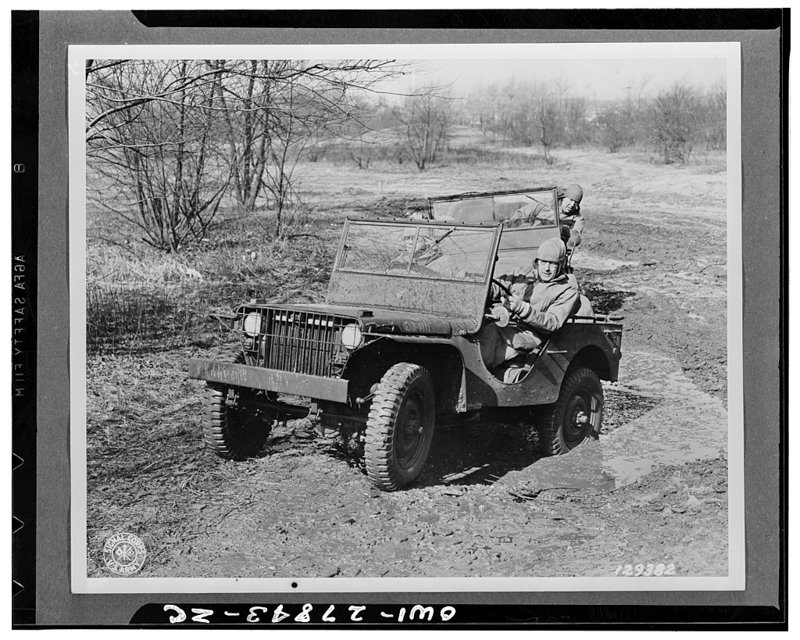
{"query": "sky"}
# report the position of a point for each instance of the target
(593, 70)
(602, 79)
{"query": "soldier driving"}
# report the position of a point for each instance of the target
(540, 300)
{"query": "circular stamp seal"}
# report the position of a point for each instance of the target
(124, 553)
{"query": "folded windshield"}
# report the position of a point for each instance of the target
(418, 251)
(516, 210)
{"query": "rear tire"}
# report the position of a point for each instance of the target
(576, 416)
(400, 427)
(233, 433)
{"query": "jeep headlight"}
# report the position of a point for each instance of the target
(351, 336)
(252, 324)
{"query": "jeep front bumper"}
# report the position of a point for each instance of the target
(242, 375)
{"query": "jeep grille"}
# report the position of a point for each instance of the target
(298, 341)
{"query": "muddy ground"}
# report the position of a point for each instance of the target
(652, 491)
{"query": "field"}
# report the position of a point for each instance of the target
(651, 490)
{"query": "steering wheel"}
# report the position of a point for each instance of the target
(498, 313)
(502, 286)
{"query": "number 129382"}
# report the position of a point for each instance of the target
(644, 570)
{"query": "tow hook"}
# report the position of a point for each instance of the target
(315, 416)
(314, 412)
(232, 399)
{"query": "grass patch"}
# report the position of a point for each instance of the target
(479, 155)
(139, 299)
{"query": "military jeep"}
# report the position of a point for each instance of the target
(394, 352)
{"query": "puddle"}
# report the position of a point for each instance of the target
(673, 434)
(582, 468)
(677, 423)
(687, 425)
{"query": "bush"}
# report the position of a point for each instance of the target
(134, 317)
(496, 157)
(140, 299)
(676, 122)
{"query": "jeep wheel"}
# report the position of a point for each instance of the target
(575, 417)
(400, 427)
(233, 433)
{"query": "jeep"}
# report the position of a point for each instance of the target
(394, 352)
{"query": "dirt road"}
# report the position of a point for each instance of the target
(652, 491)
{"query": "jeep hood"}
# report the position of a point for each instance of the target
(377, 320)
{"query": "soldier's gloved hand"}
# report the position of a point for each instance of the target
(514, 304)
(574, 241)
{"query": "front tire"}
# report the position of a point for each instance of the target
(575, 417)
(233, 433)
(400, 427)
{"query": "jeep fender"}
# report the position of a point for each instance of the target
(439, 356)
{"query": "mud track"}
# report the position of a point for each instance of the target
(652, 490)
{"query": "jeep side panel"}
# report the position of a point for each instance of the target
(593, 344)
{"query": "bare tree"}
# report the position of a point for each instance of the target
(674, 118)
(150, 140)
(277, 110)
(612, 124)
(524, 116)
(575, 120)
(550, 124)
(169, 137)
(425, 120)
(482, 109)
(717, 116)
(527, 114)
(118, 91)
(362, 134)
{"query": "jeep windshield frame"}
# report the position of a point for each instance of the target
(518, 209)
(416, 266)
(529, 217)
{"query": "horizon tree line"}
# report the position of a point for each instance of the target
(170, 140)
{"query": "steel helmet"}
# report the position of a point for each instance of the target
(552, 250)
(574, 192)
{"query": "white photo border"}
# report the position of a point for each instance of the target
(77, 56)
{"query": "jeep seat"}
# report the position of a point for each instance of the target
(515, 369)
(584, 309)
(512, 370)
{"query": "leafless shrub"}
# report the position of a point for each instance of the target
(150, 137)
(145, 301)
(675, 122)
(424, 124)
(170, 137)
(613, 129)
